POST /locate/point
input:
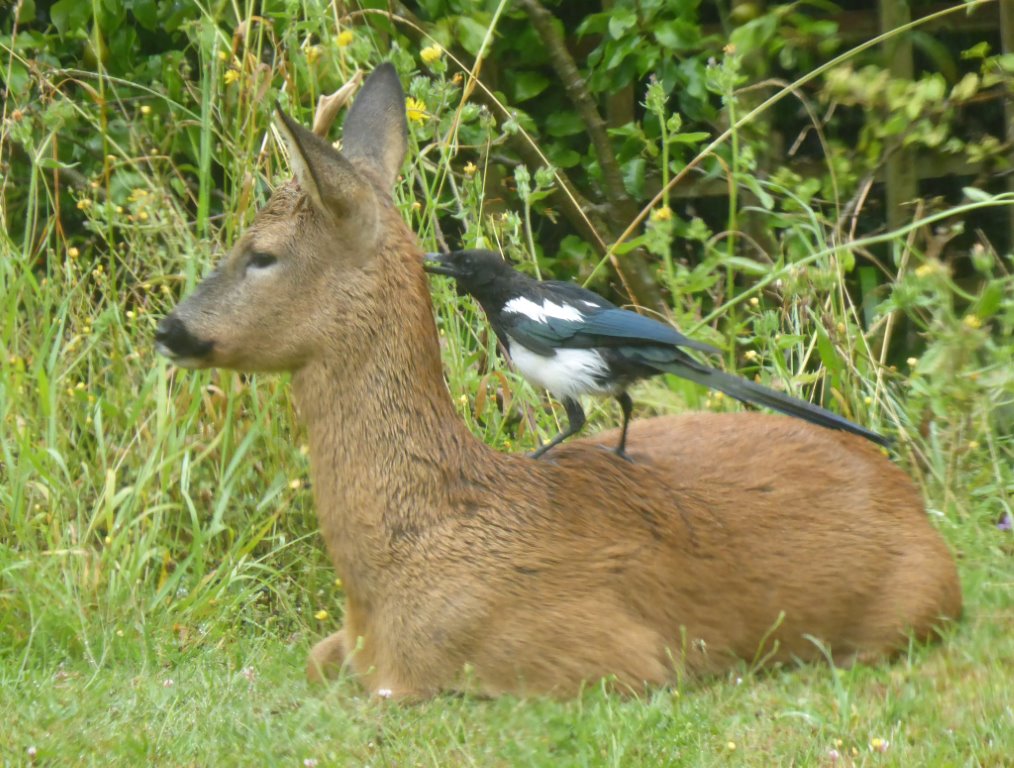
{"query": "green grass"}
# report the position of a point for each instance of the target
(156, 524)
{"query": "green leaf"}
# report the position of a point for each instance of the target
(990, 300)
(690, 137)
(564, 123)
(767, 202)
(470, 33)
(70, 15)
(677, 35)
(528, 85)
(621, 20)
(747, 266)
(828, 356)
(977, 195)
(146, 13)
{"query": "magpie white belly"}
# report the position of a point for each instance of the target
(567, 373)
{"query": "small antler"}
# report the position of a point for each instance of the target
(328, 106)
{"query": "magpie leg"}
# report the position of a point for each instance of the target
(627, 406)
(575, 421)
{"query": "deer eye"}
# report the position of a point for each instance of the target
(260, 260)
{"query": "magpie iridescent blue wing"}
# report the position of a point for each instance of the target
(618, 327)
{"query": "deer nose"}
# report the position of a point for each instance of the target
(174, 340)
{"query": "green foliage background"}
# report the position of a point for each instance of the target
(158, 543)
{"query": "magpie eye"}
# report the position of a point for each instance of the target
(260, 260)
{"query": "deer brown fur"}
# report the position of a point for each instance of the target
(730, 536)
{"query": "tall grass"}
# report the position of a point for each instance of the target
(157, 525)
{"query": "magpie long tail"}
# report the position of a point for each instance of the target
(747, 391)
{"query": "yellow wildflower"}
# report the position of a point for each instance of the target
(754, 301)
(972, 321)
(912, 361)
(731, 746)
(345, 38)
(73, 252)
(879, 745)
(320, 615)
(145, 109)
(973, 445)
(84, 204)
(415, 109)
(470, 168)
(295, 484)
(337, 583)
(222, 55)
(231, 76)
(431, 53)
(662, 214)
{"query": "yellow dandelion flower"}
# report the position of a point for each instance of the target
(415, 109)
(470, 168)
(662, 214)
(230, 76)
(345, 38)
(431, 53)
(320, 615)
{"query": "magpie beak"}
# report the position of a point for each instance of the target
(435, 264)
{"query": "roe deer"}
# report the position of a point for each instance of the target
(733, 536)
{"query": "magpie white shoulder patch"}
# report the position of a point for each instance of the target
(541, 313)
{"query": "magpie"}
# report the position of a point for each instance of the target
(572, 342)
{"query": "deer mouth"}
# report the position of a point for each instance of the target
(174, 340)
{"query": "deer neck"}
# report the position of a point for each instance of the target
(385, 440)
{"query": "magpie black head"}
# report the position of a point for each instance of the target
(474, 270)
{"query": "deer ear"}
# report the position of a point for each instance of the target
(327, 177)
(375, 129)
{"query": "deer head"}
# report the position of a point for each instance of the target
(305, 265)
